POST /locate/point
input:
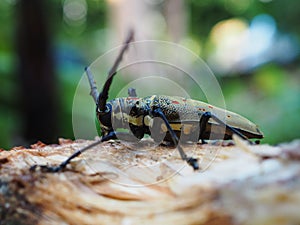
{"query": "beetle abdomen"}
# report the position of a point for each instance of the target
(184, 115)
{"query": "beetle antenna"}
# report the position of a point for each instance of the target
(112, 72)
(94, 92)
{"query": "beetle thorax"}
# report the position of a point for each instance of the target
(123, 112)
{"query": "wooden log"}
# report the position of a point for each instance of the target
(141, 183)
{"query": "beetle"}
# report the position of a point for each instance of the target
(180, 119)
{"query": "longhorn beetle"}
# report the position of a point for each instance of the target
(138, 115)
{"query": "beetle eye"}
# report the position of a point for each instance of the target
(107, 109)
(105, 117)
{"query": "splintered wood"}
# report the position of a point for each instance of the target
(141, 183)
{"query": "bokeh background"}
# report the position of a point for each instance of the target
(252, 46)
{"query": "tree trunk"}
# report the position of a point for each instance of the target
(36, 98)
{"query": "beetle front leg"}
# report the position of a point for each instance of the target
(190, 160)
(60, 167)
(109, 136)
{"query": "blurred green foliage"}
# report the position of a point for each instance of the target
(268, 93)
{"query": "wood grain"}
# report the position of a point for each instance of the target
(141, 183)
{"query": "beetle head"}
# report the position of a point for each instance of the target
(104, 118)
(104, 108)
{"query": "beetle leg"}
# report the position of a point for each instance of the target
(190, 160)
(54, 169)
(204, 120)
(132, 92)
(111, 135)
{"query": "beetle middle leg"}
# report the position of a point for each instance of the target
(190, 160)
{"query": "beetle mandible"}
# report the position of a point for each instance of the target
(179, 117)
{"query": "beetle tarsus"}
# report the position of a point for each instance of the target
(46, 169)
(193, 162)
(203, 141)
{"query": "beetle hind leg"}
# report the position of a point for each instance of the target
(204, 121)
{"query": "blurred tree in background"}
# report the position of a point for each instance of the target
(37, 95)
(252, 46)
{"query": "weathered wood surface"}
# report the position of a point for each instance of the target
(125, 183)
